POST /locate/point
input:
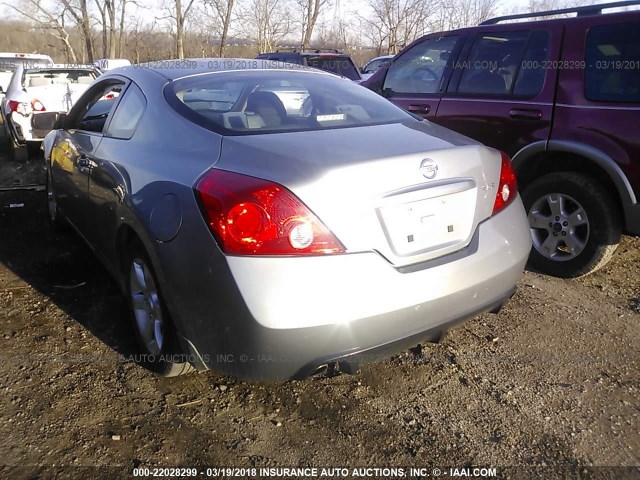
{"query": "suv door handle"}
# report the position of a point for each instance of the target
(419, 109)
(525, 114)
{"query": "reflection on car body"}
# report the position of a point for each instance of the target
(242, 223)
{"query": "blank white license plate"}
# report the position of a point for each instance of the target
(429, 224)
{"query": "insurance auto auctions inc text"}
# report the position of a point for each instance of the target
(374, 472)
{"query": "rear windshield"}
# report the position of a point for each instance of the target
(43, 77)
(259, 101)
(340, 65)
(9, 64)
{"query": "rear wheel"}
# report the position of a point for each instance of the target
(155, 332)
(575, 225)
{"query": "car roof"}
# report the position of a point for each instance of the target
(33, 56)
(537, 22)
(177, 69)
(381, 57)
(60, 66)
(306, 53)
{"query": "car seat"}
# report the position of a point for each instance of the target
(268, 106)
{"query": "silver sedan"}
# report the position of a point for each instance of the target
(267, 220)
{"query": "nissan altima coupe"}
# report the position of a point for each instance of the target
(266, 221)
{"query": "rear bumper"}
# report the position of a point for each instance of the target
(25, 129)
(289, 316)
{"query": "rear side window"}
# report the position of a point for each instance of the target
(612, 58)
(256, 102)
(421, 69)
(493, 63)
(128, 114)
(340, 65)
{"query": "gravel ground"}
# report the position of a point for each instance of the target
(548, 386)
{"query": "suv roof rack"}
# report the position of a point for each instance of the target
(310, 50)
(581, 11)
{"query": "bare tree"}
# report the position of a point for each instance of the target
(50, 19)
(400, 21)
(108, 23)
(266, 22)
(451, 14)
(221, 13)
(178, 13)
(310, 10)
(80, 13)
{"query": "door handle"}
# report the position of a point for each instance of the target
(85, 163)
(525, 114)
(419, 109)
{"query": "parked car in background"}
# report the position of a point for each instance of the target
(105, 64)
(374, 65)
(328, 60)
(562, 97)
(10, 61)
(34, 95)
(268, 242)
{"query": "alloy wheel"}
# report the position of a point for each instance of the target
(147, 310)
(559, 226)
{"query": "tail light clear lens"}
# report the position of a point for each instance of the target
(507, 187)
(250, 216)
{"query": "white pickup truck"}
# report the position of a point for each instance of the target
(35, 95)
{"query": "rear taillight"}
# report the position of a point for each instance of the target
(23, 108)
(37, 105)
(507, 187)
(250, 216)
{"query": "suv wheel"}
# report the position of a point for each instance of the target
(155, 332)
(575, 225)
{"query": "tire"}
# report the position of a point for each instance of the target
(575, 224)
(56, 220)
(155, 332)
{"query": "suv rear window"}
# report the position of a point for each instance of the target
(612, 58)
(255, 102)
(340, 65)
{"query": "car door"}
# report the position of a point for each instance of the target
(502, 89)
(72, 157)
(417, 78)
(109, 180)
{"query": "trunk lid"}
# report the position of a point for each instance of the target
(412, 191)
(56, 97)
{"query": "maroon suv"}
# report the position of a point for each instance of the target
(562, 97)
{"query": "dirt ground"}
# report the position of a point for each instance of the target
(548, 387)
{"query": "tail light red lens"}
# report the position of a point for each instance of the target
(508, 187)
(250, 216)
(37, 105)
(22, 108)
